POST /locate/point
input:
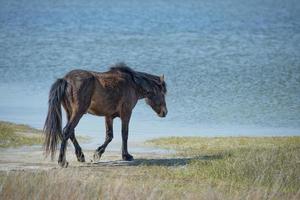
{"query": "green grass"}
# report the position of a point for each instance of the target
(12, 135)
(237, 163)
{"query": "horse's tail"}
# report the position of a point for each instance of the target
(53, 124)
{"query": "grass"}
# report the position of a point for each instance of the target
(203, 168)
(12, 135)
(270, 164)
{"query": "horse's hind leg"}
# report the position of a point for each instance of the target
(79, 106)
(78, 150)
(67, 133)
(109, 136)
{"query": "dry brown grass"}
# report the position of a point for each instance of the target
(205, 168)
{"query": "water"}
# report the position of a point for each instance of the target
(232, 67)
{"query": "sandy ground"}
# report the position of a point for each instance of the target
(32, 158)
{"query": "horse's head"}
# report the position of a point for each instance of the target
(156, 98)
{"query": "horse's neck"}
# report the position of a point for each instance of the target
(141, 94)
(145, 85)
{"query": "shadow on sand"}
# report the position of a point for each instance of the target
(155, 161)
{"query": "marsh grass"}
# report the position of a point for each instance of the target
(17, 134)
(13, 135)
(204, 168)
(271, 164)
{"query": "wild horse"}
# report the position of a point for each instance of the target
(110, 94)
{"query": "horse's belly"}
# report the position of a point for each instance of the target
(99, 109)
(105, 100)
(103, 106)
(94, 111)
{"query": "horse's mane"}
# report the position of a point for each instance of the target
(142, 79)
(122, 67)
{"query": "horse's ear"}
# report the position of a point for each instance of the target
(162, 78)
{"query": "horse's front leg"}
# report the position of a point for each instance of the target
(109, 136)
(125, 125)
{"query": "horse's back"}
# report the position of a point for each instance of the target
(78, 75)
(102, 91)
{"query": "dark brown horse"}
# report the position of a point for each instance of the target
(111, 94)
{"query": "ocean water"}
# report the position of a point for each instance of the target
(232, 67)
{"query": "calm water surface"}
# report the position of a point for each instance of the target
(232, 67)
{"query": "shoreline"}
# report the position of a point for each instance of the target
(94, 127)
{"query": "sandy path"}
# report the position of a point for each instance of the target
(32, 158)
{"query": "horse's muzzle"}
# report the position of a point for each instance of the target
(163, 112)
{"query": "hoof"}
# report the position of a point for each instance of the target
(127, 157)
(97, 156)
(63, 164)
(81, 158)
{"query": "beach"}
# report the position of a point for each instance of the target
(227, 72)
(181, 168)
